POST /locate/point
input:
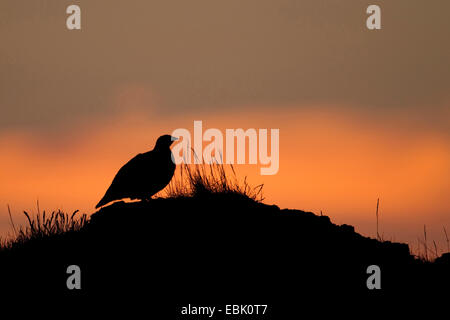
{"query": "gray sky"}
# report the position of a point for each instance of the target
(203, 54)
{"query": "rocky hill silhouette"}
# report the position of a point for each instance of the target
(206, 246)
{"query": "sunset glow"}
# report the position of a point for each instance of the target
(330, 162)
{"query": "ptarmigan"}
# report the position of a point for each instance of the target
(144, 175)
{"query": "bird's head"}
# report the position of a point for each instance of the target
(165, 141)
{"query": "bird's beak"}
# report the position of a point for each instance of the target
(173, 139)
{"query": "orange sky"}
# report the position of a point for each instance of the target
(330, 161)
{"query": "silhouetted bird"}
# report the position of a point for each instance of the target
(144, 175)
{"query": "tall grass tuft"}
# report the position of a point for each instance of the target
(42, 225)
(202, 179)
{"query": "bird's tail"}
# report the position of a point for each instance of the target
(102, 202)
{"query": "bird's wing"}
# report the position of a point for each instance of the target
(124, 179)
(127, 175)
